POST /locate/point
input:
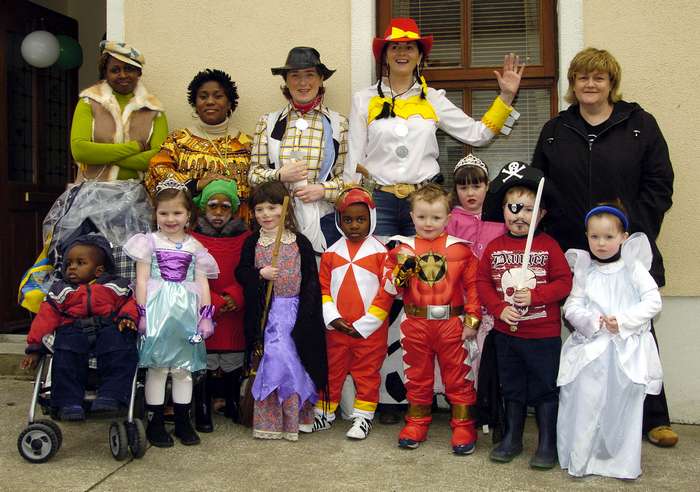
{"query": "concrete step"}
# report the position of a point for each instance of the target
(11, 353)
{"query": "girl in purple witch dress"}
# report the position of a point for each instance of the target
(172, 290)
(293, 365)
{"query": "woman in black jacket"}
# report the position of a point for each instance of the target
(599, 149)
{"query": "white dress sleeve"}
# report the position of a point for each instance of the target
(583, 317)
(635, 319)
(139, 247)
(204, 264)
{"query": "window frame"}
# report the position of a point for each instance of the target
(542, 76)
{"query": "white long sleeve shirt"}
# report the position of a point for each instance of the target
(393, 155)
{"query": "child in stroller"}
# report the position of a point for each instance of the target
(91, 311)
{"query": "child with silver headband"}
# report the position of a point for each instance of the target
(610, 362)
(172, 290)
(522, 277)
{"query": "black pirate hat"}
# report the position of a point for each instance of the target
(303, 57)
(517, 173)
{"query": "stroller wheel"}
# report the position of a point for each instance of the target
(137, 438)
(118, 441)
(37, 443)
(56, 429)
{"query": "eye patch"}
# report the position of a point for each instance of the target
(515, 208)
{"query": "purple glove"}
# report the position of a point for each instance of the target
(142, 319)
(205, 328)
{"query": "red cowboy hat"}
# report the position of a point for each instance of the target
(401, 29)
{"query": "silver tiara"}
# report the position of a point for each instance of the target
(171, 184)
(472, 160)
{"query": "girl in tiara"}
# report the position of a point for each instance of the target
(172, 291)
(471, 183)
(610, 363)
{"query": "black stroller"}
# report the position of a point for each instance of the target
(42, 438)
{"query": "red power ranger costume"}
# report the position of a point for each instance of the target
(436, 291)
(350, 274)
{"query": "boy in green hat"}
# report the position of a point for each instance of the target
(223, 233)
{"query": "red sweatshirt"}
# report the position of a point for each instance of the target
(550, 282)
(108, 296)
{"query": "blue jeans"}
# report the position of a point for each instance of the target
(393, 215)
(329, 230)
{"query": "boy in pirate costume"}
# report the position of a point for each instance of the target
(525, 305)
(436, 273)
(350, 274)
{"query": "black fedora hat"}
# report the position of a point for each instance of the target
(302, 57)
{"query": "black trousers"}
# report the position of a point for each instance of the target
(527, 368)
(655, 406)
(117, 358)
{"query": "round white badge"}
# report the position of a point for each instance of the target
(401, 129)
(301, 124)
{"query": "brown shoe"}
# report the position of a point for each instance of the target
(662, 436)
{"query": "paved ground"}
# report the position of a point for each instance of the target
(230, 459)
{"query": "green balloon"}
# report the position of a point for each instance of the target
(70, 53)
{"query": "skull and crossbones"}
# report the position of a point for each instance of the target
(513, 170)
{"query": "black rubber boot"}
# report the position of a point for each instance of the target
(183, 425)
(512, 443)
(546, 455)
(155, 431)
(232, 383)
(202, 405)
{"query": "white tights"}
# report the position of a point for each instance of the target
(155, 385)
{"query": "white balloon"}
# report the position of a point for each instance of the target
(40, 49)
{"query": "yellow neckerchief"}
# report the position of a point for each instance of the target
(403, 108)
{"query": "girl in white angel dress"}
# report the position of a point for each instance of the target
(610, 362)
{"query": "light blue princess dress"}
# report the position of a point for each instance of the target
(172, 306)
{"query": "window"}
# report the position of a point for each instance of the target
(471, 38)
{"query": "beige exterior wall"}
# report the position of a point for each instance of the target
(655, 42)
(243, 38)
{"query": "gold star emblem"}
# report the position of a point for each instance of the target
(432, 267)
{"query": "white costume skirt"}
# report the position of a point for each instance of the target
(599, 428)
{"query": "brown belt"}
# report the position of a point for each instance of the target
(433, 311)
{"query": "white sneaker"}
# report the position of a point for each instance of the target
(321, 423)
(360, 428)
(306, 428)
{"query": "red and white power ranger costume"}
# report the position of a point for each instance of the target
(350, 275)
(443, 289)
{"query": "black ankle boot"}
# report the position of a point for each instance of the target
(232, 384)
(202, 405)
(183, 425)
(155, 431)
(512, 443)
(546, 455)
